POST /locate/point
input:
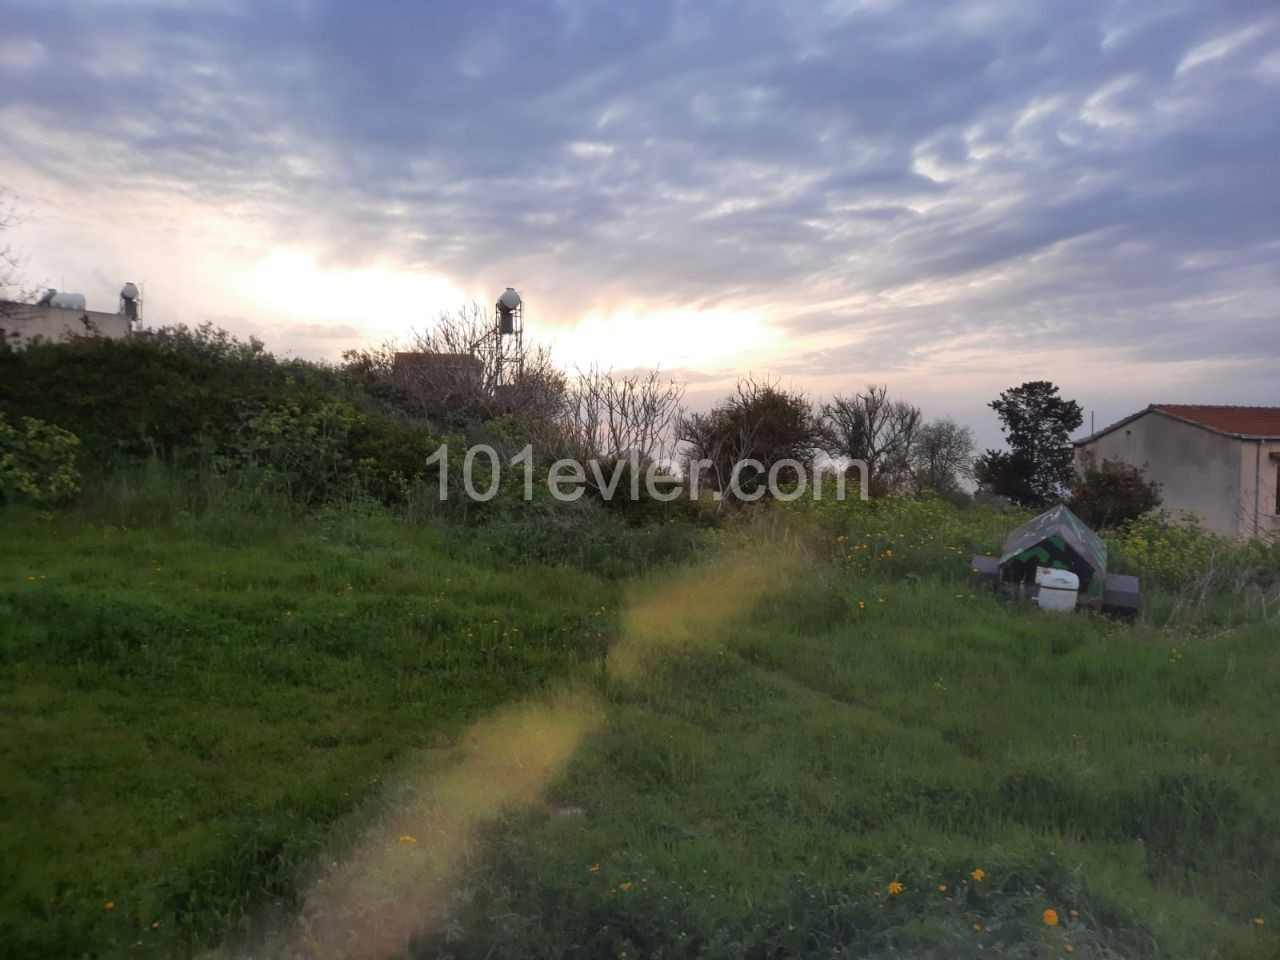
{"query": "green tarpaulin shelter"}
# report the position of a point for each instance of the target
(1057, 538)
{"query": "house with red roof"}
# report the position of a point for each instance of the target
(1221, 463)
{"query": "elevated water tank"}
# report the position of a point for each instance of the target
(129, 300)
(507, 306)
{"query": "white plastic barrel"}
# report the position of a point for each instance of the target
(1058, 589)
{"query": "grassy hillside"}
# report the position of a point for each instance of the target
(266, 694)
(193, 702)
(784, 748)
(219, 722)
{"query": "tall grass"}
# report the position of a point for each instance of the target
(200, 685)
(207, 688)
(764, 787)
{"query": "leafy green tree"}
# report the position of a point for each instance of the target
(1037, 468)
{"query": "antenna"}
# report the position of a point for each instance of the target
(508, 336)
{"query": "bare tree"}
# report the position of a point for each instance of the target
(941, 456)
(10, 292)
(611, 416)
(870, 427)
(8, 256)
(458, 372)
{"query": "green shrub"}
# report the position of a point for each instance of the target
(898, 535)
(37, 462)
(202, 398)
(1112, 494)
(157, 392)
(302, 453)
(1168, 551)
(1192, 577)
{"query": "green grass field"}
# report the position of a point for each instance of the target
(220, 725)
(192, 706)
(764, 780)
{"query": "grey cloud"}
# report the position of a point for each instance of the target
(940, 177)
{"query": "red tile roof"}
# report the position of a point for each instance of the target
(1252, 422)
(1237, 421)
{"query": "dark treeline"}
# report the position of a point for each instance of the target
(203, 400)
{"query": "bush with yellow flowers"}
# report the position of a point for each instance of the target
(1165, 550)
(902, 535)
(37, 462)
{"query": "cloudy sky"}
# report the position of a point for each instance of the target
(950, 198)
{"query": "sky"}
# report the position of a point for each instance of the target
(947, 198)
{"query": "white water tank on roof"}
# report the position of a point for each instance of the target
(67, 301)
(1058, 589)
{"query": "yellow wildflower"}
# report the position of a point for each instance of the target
(895, 887)
(978, 874)
(625, 886)
(1050, 917)
(109, 905)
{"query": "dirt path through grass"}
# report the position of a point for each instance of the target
(814, 765)
(395, 883)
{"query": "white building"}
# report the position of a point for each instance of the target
(59, 317)
(1221, 463)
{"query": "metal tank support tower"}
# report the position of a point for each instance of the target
(509, 336)
(131, 303)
